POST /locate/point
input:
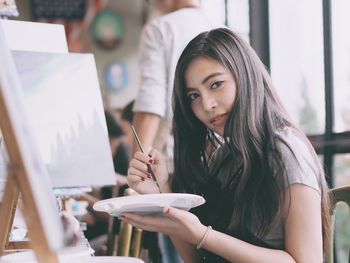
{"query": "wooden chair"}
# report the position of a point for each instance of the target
(336, 195)
(129, 238)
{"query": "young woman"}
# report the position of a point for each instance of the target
(265, 191)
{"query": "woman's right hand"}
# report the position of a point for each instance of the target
(139, 177)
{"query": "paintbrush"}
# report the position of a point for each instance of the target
(149, 168)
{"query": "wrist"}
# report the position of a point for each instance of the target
(198, 234)
(203, 237)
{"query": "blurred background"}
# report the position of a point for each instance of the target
(304, 44)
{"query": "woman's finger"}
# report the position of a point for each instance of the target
(134, 163)
(143, 157)
(135, 176)
(155, 155)
(174, 213)
(140, 169)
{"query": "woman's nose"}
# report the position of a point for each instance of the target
(209, 103)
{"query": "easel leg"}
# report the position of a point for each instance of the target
(8, 209)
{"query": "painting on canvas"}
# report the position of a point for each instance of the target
(65, 111)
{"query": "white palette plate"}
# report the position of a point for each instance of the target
(74, 257)
(68, 255)
(115, 260)
(148, 203)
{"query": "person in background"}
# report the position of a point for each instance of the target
(162, 41)
(235, 145)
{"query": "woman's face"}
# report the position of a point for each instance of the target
(211, 89)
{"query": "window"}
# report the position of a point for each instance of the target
(341, 65)
(296, 48)
(310, 66)
(215, 10)
(232, 13)
(238, 17)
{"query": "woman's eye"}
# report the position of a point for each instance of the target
(216, 84)
(192, 96)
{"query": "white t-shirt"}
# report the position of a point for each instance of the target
(162, 42)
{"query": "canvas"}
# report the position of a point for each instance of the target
(27, 156)
(34, 36)
(65, 111)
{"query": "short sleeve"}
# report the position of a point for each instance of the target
(151, 96)
(299, 160)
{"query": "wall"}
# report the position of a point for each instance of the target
(131, 12)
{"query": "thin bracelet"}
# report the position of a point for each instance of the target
(204, 238)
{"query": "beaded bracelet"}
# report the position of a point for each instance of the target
(204, 238)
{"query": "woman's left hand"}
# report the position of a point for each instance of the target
(173, 222)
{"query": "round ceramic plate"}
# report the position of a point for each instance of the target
(148, 203)
(28, 257)
(68, 255)
(115, 260)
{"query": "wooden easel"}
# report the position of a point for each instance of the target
(17, 182)
(20, 178)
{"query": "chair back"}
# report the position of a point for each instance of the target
(336, 195)
(130, 238)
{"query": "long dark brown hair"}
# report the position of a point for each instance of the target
(251, 170)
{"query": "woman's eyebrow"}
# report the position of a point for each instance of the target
(210, 76)
(188, 89)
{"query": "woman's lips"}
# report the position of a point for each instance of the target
(218, 119)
